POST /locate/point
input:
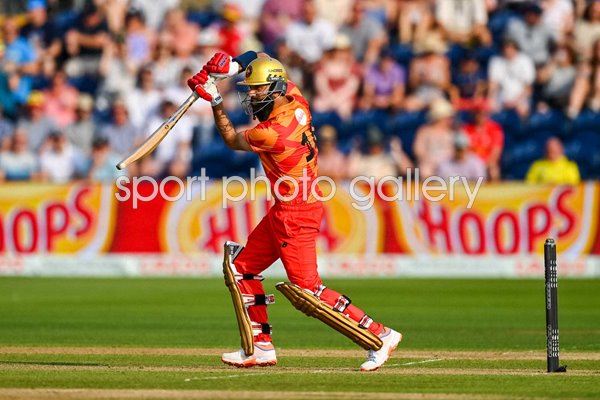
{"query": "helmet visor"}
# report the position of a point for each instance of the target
(253, 100)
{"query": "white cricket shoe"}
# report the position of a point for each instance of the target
(376, 359)
(264, 355)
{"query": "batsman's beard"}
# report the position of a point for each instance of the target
(260, 109)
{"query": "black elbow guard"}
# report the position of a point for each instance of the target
(246, 58)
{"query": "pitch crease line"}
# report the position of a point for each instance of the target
(417, 362)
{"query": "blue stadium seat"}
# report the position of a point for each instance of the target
(497, 24)
(510, 121)
(551, 122)
(484, 55)
(402, 53)
(523, 151)
(64, 20)
(404, 122)
(516, 171)
(360, 122)
(202, 18)
(86, 83)
(405, 125)
(319, 119)
(584, 148)
(586, 121)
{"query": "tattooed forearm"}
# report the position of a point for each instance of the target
(224, 125)
(233, 139)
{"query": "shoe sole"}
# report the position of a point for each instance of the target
(390, 351)
(250, 364)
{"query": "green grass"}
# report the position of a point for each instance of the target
(434, 315)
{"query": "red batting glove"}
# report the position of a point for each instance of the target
(221, 65)
(196, 82)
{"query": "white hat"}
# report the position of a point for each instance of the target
(440, 108)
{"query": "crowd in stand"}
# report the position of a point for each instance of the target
(453, 87)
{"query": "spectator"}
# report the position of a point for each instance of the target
(118, 73)
(335, 11)
(293, 64)
(332, 162)
(59, 159)
(9, 85)
(165, 67)
(85, 42)
(251, 9)
(586, 90)
(587, 30)
(511, 76)
(229, 32)
(468, 83)
(115, 12)
(6, 131)
(559, 17)
(434, 141)
(383, 86)
(139, 39)
(486, 139)
(429, 74)
(102, 162)
(154, 11)
(37, 125)
(120, 132)
(81, 132)
(366, 34)
(337, 80)
(177, 94)
(61, 100)
(414, 20)
(275, 17)
(463, 22)
(464, 163)
(144, 100)
(557, 78)
(18, 163)
(181, 34)
(173, 156)
(555, 168)
(20, 60)
(532, 36)
(209, 42)
(310, 36)
(375, 162)
(41, 33)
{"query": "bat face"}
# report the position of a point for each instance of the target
(159, 134)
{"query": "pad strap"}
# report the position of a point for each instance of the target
(233, 249)
(248, 277)
(319, 290)
(258, 328)
(365, 321)
(342, 303)
(258, 299)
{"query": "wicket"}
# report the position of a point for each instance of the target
(552, 342)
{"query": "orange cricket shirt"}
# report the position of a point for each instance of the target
(285, 143)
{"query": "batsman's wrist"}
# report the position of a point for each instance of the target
(217, 99)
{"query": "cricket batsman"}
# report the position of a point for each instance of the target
(285, 143)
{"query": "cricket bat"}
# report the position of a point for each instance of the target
(161, 132)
